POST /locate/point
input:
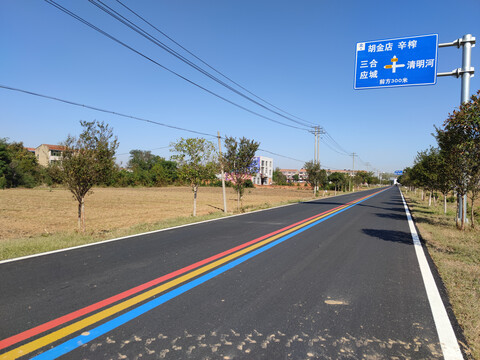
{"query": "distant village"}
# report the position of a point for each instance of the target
(50, 154)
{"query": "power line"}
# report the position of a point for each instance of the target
(151, 38)
(127, 116)
(68, 12)
(208, 65)
(119, 17)
(171, 71)
(343, 151)
(286, 157)
(106, 111)
(331, 148)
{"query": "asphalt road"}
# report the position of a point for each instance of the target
(344, 284)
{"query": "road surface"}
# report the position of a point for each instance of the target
(332, 278)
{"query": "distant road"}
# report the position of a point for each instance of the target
(332, 278)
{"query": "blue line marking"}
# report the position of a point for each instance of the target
(80, 340)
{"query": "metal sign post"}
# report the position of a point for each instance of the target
(467, 42)
(411, 61)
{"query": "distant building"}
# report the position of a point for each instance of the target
(344, 171)
(265, 170)
(49, 154)
(302, 173)
(290, 173)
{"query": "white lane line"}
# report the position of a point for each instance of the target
(446, 335)
(141, 234)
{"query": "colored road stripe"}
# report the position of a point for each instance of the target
(101, 304)
(68, 330)
(446, 335)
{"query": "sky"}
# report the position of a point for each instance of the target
(297, 55)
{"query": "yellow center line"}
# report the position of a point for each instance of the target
(79, 325)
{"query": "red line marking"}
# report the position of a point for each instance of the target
(86, 310)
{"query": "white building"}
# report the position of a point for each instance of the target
(265, 171)
(49, 154)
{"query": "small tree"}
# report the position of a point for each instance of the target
(196, 163)
(238, 163)
(444, 179)
(88, 160)
(474, 187)
(338, 179)
(151, 170)
(278, 177)
(316, 176)
(6, 174)
(427, 169)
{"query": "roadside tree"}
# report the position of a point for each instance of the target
(88, 160)
(18, 166)
(459, 142)
(196, 163)
(316, 176)
(150, 170)
(338, 180)
(278, 177)
(5, 170)
(238, 163)
(427, 170)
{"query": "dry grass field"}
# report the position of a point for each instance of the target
(42, 211)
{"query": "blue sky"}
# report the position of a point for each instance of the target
(298, 55)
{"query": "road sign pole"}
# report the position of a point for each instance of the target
(466, 72)
(467, 42)
(465, 95)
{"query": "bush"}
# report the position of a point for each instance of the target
(451, 199)
(218, 183)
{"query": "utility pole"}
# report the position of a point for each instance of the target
(353, 172)
(317, 131)
(222, 173)
(466, 72)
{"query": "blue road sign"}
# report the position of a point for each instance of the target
(398, 172)
(404, 61)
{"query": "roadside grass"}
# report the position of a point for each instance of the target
(457, 257)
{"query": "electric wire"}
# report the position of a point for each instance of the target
(68, 12)
(208, 65)
(331, 148)
(106, 111)
(119, 17)
(149, 37)
(128, 116)
(342, 150)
